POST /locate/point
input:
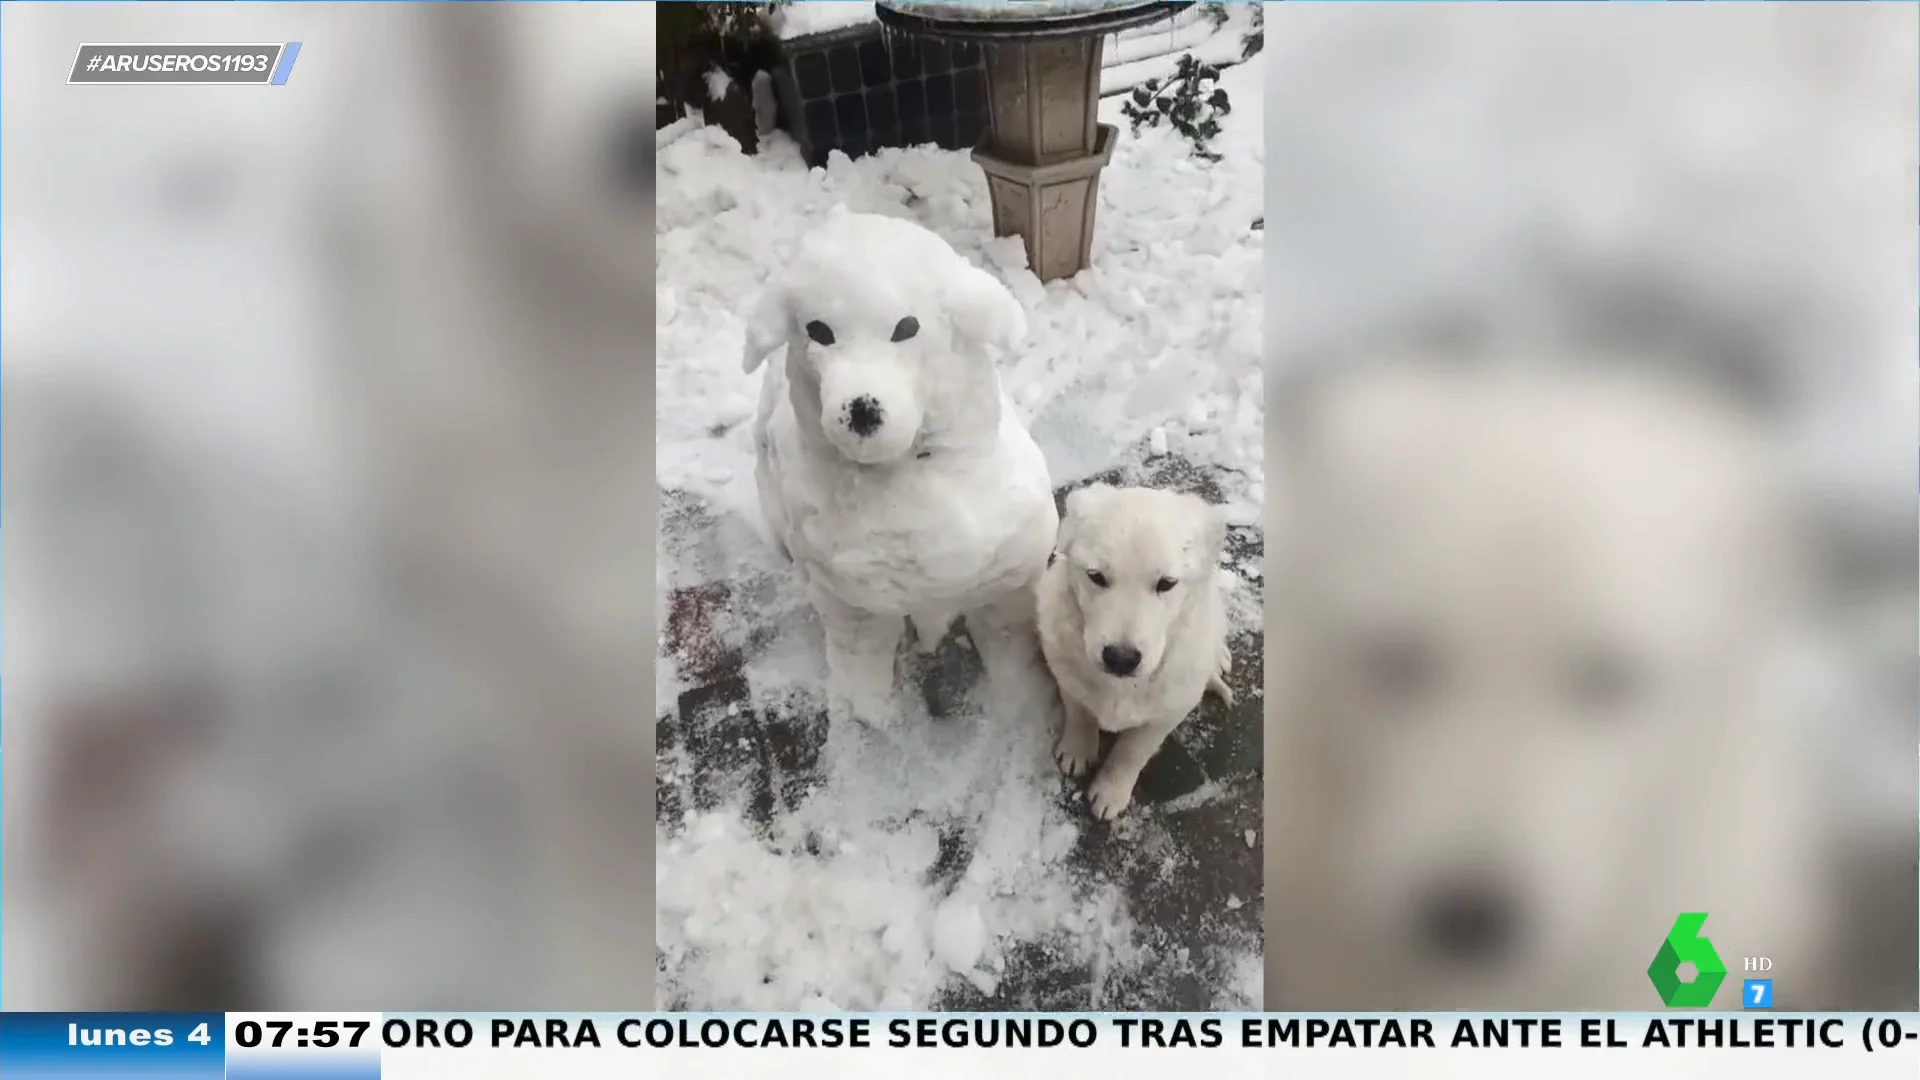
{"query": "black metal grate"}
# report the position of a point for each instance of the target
(861, 89)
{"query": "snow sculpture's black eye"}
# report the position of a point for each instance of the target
(820, 332)
(906, 328)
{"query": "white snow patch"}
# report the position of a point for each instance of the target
(1248, 988)
(766, 106)
(1157, 54)
(959, 934)
(819, 17)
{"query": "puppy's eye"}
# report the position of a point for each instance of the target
(1165, 584)
(820, 332)
(1097, 578)
(906, 328)
(1602, 681)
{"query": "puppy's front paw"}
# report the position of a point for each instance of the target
(1217, 685)
(1110, 795)
(1076, 750)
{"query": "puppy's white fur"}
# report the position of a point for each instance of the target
(1528, 626)
(942, 507)
(1135, 569)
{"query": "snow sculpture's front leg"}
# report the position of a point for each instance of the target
(860, 656)
(1018, 682)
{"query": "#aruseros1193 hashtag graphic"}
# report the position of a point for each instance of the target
(151, 64)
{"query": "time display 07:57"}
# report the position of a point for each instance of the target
(321, 1034)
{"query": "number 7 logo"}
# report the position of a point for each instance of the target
(1758, 993)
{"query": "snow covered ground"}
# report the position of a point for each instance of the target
(948, 864)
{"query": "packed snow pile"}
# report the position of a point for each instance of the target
(946, 861)
(802, 20)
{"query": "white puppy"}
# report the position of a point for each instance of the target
(1526, 630)
(1131, 624)
(892, 468)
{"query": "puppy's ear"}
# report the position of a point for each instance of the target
(1210, 521)
(1081, 503)
(768, 327)
(981, 307)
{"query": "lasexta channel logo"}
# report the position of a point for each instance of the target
(1685, 944)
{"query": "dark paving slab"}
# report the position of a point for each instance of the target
(1187, 856)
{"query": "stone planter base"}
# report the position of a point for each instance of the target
(1050, 206)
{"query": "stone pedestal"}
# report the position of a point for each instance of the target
(1045, 147)
(1050, 207)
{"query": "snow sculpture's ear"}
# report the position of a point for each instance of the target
(768, 326)
(982, 309)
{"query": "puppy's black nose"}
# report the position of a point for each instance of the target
(864, 416)
(1120, 659)
(1470, 922)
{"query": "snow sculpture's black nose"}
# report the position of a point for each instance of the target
(864, 416)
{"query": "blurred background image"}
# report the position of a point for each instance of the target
(329, 528)
(1591, 333)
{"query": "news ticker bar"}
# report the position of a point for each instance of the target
(179, 64)
(366, 1046)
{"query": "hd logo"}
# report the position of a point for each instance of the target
(1685, 944)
